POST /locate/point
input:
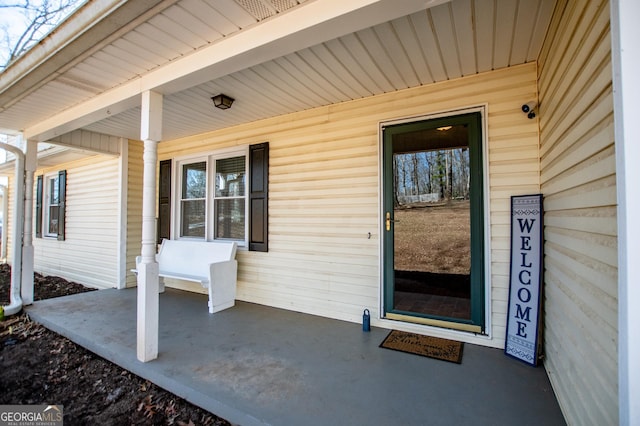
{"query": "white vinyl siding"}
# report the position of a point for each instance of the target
(89, 253)
(134, 208)
(324, 192)
(579, 183)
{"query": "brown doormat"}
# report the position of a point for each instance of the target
(433, 347)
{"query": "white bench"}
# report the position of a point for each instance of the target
(212, 264)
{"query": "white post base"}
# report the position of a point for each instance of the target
(26, 289)
(148, 312)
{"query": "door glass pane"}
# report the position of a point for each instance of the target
(432, 232)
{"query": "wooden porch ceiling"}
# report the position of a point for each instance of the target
(343, 61)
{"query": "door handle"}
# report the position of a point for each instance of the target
(389, 220)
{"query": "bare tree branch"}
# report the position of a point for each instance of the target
(34, 19)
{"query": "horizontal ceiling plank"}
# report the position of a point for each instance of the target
(321, 81)
(214, 19)
(430, 47)
(184, 28)
(349, 83)
(484, 12)
(543, 18)
(301, 83)
(349, 51)
(233, 12)
(397, 55)
(505, 20)
(443, 25)
(524, 24)
(406, 32)
(462, 12)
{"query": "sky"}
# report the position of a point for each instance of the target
(12, 20)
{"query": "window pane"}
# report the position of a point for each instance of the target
(194, 180)
(53, 220)
(230, 177)
(230, 219)
(193, 218)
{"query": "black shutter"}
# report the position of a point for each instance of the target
(62, 192)
(258, 197)
(164, 201)
(39, 183)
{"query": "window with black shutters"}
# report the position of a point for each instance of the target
(50, 217)
(222, 196)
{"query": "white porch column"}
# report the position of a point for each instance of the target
(31, 163)
(148, 297)
(5, 214)
(625, 34)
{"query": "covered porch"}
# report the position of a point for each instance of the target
(253, 364)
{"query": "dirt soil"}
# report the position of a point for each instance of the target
(40, 367)
(433, 238)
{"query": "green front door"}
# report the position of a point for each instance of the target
(433, 239)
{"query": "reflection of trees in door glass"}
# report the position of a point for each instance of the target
(431, 176)
(431, 209)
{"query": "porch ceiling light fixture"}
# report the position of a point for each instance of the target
(222, 101)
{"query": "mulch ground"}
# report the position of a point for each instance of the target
(39, 367)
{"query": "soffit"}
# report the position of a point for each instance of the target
(447, 41)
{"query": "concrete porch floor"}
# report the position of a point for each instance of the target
(253, 364)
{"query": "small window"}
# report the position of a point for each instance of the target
(213, 195)
(50, 205)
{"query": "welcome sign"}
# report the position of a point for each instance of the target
(523, 317)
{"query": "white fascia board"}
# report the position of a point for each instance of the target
(304, 26)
